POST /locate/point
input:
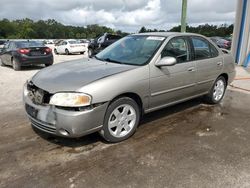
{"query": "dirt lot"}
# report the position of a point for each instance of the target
(188, 145)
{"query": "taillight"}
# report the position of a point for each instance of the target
(23, 51)
(227, 43)
(48, 50)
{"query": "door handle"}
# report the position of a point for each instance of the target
(219, 63)
(191, 69)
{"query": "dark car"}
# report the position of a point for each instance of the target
(101, 42)
(221, 42)
(24, 53)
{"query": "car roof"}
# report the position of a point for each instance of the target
(168, 34)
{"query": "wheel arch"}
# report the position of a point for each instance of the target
(225, 75)
(133, 96)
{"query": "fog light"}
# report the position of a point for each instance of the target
(63, 132)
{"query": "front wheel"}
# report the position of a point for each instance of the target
(121, 120)
(90, 52)
(217, 92)
(66, 51)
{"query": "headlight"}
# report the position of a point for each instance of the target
(70, 99)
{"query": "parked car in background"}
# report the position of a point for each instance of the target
(85, 42)
(70, 46)
(228, 38)
(138, 74)
(101, 42)
(2, 42)
(57, 41)
(23, 53)
(221, 42)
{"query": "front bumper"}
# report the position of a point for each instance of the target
(50, 119)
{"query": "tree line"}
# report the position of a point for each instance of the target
(51, 29)
(223, 30)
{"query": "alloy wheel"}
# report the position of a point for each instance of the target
(219, 89)
(122, 120)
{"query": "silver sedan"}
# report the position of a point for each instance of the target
(138, 74)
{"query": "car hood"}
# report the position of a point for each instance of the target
(71, 76)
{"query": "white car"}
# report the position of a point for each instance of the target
(70, 46)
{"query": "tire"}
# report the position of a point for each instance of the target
(121, 120)
(55, 51)
(47, 65)
(16, 66)
(1, 63)
(66, 51)
(217, 92)
(90, 52)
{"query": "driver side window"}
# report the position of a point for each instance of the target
(177, 48)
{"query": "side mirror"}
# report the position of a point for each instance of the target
(166, 61)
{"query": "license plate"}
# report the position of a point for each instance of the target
(36, 53)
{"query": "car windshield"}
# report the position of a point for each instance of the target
(132, 50)
(28, 44)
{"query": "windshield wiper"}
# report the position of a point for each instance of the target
(98, 58)
(112, 61)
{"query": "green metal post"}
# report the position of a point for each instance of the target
(184, 16)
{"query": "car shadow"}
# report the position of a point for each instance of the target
(26, 68)
(94, 138)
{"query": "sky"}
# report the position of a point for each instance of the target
(126, 15)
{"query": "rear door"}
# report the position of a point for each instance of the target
(209, 64)
(169, 84)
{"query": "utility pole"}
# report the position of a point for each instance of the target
(184, 16)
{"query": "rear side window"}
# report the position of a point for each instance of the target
(214, 52)
(178, 48)
(203, 49)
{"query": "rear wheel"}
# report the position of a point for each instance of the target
(16, 66)
(66, 51)
(121, 120)
(217, 92)
(55, 51)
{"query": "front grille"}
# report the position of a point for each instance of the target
(38, 95)
(42, 126)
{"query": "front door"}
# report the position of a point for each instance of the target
(169, 84)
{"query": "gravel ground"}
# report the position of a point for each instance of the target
(187, 145)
